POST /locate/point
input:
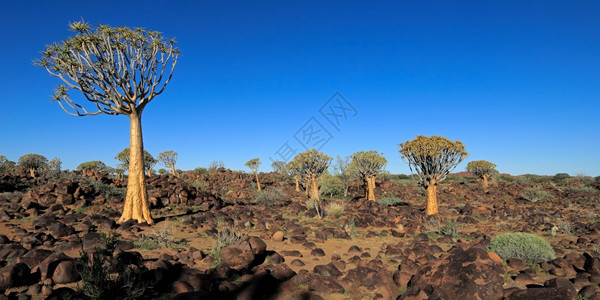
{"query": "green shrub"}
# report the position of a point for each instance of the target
(391, 201)
(269, 196)
(225, 236)
(535, 194)
(560, 177)
(526, 246)
(334, 209)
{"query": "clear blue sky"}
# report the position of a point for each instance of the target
(517, 81)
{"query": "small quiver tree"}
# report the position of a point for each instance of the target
(149, 161)
(294, 168)
(33, 162)
(279, 167)
(119, 71)
(312, 164)
(253, 164)
(430, 159)
(6, 166)
(367, 165)
(168, 159)
(483, 170)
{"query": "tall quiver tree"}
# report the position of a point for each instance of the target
(168, 159)
(119, 70)
(33, 162)
(430, 159)
(482, 169)
(312, 164)
(253, 164)
(367, 165)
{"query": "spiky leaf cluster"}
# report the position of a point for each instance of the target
(311, 162)
(367, 163)
(253, 164)
(167, 158)
(432, 158)
(279, 167)
(123, 157)
(118, 69)
(33, 161)
(480, 168)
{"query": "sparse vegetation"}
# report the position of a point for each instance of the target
(225, 236)
(270, 196)
(334, 209)
(526, 246)
(391, 201)
(535, 194)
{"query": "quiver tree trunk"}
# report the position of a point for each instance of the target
(314, 187)
(136, 202)
(32, 172)
(484, 181)
(257, 182)
(432, 205)
(297, 183)
(149, 172)
(370, 180)
(173, 170)
(306, 186)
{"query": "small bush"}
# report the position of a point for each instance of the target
(391, 201)
(270, 196)
(334, 209)
(535, 194)
(225, 236)
(99, 284)
(159, 238)
(449, 229)
(526, 246)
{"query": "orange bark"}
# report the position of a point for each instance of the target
(432, 205)
(136, 202)
(314, 187)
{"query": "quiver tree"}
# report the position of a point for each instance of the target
(33, 162)
(482, 169)
(430, 159)
(311, 165)
(6, 166)
(168, 159)
(341, 169)
(149, 161)
(119, 71)
(279, 167)
(93, 165)
(294, 168)
(367, 165)
(253, 164)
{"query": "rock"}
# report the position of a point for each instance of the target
(317, 252)
(181, 287)
(276, 259)
(298, 239)
(327, 270)
(588, 291)
(546, 293)
(34, 257)
(495, 257)
(48, 265)
(592, 264)
(12, 252)
(258, 246)
(561, 283)
(277, 236)
(354, 249)
(13, 275)
(325, 285)
(59, 229)
(421, 237)
(297, 263)
(66, 272)
(380, 281)
(517, 263)
(282, 272)
(237, 256)
(460, 274)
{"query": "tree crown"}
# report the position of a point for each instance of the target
(367, 163)
(123, 157)
(33, 161)
(253, 164)
(481, 167)
(167, 158)
(432, 158)
(118, 69)
(311, 162)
